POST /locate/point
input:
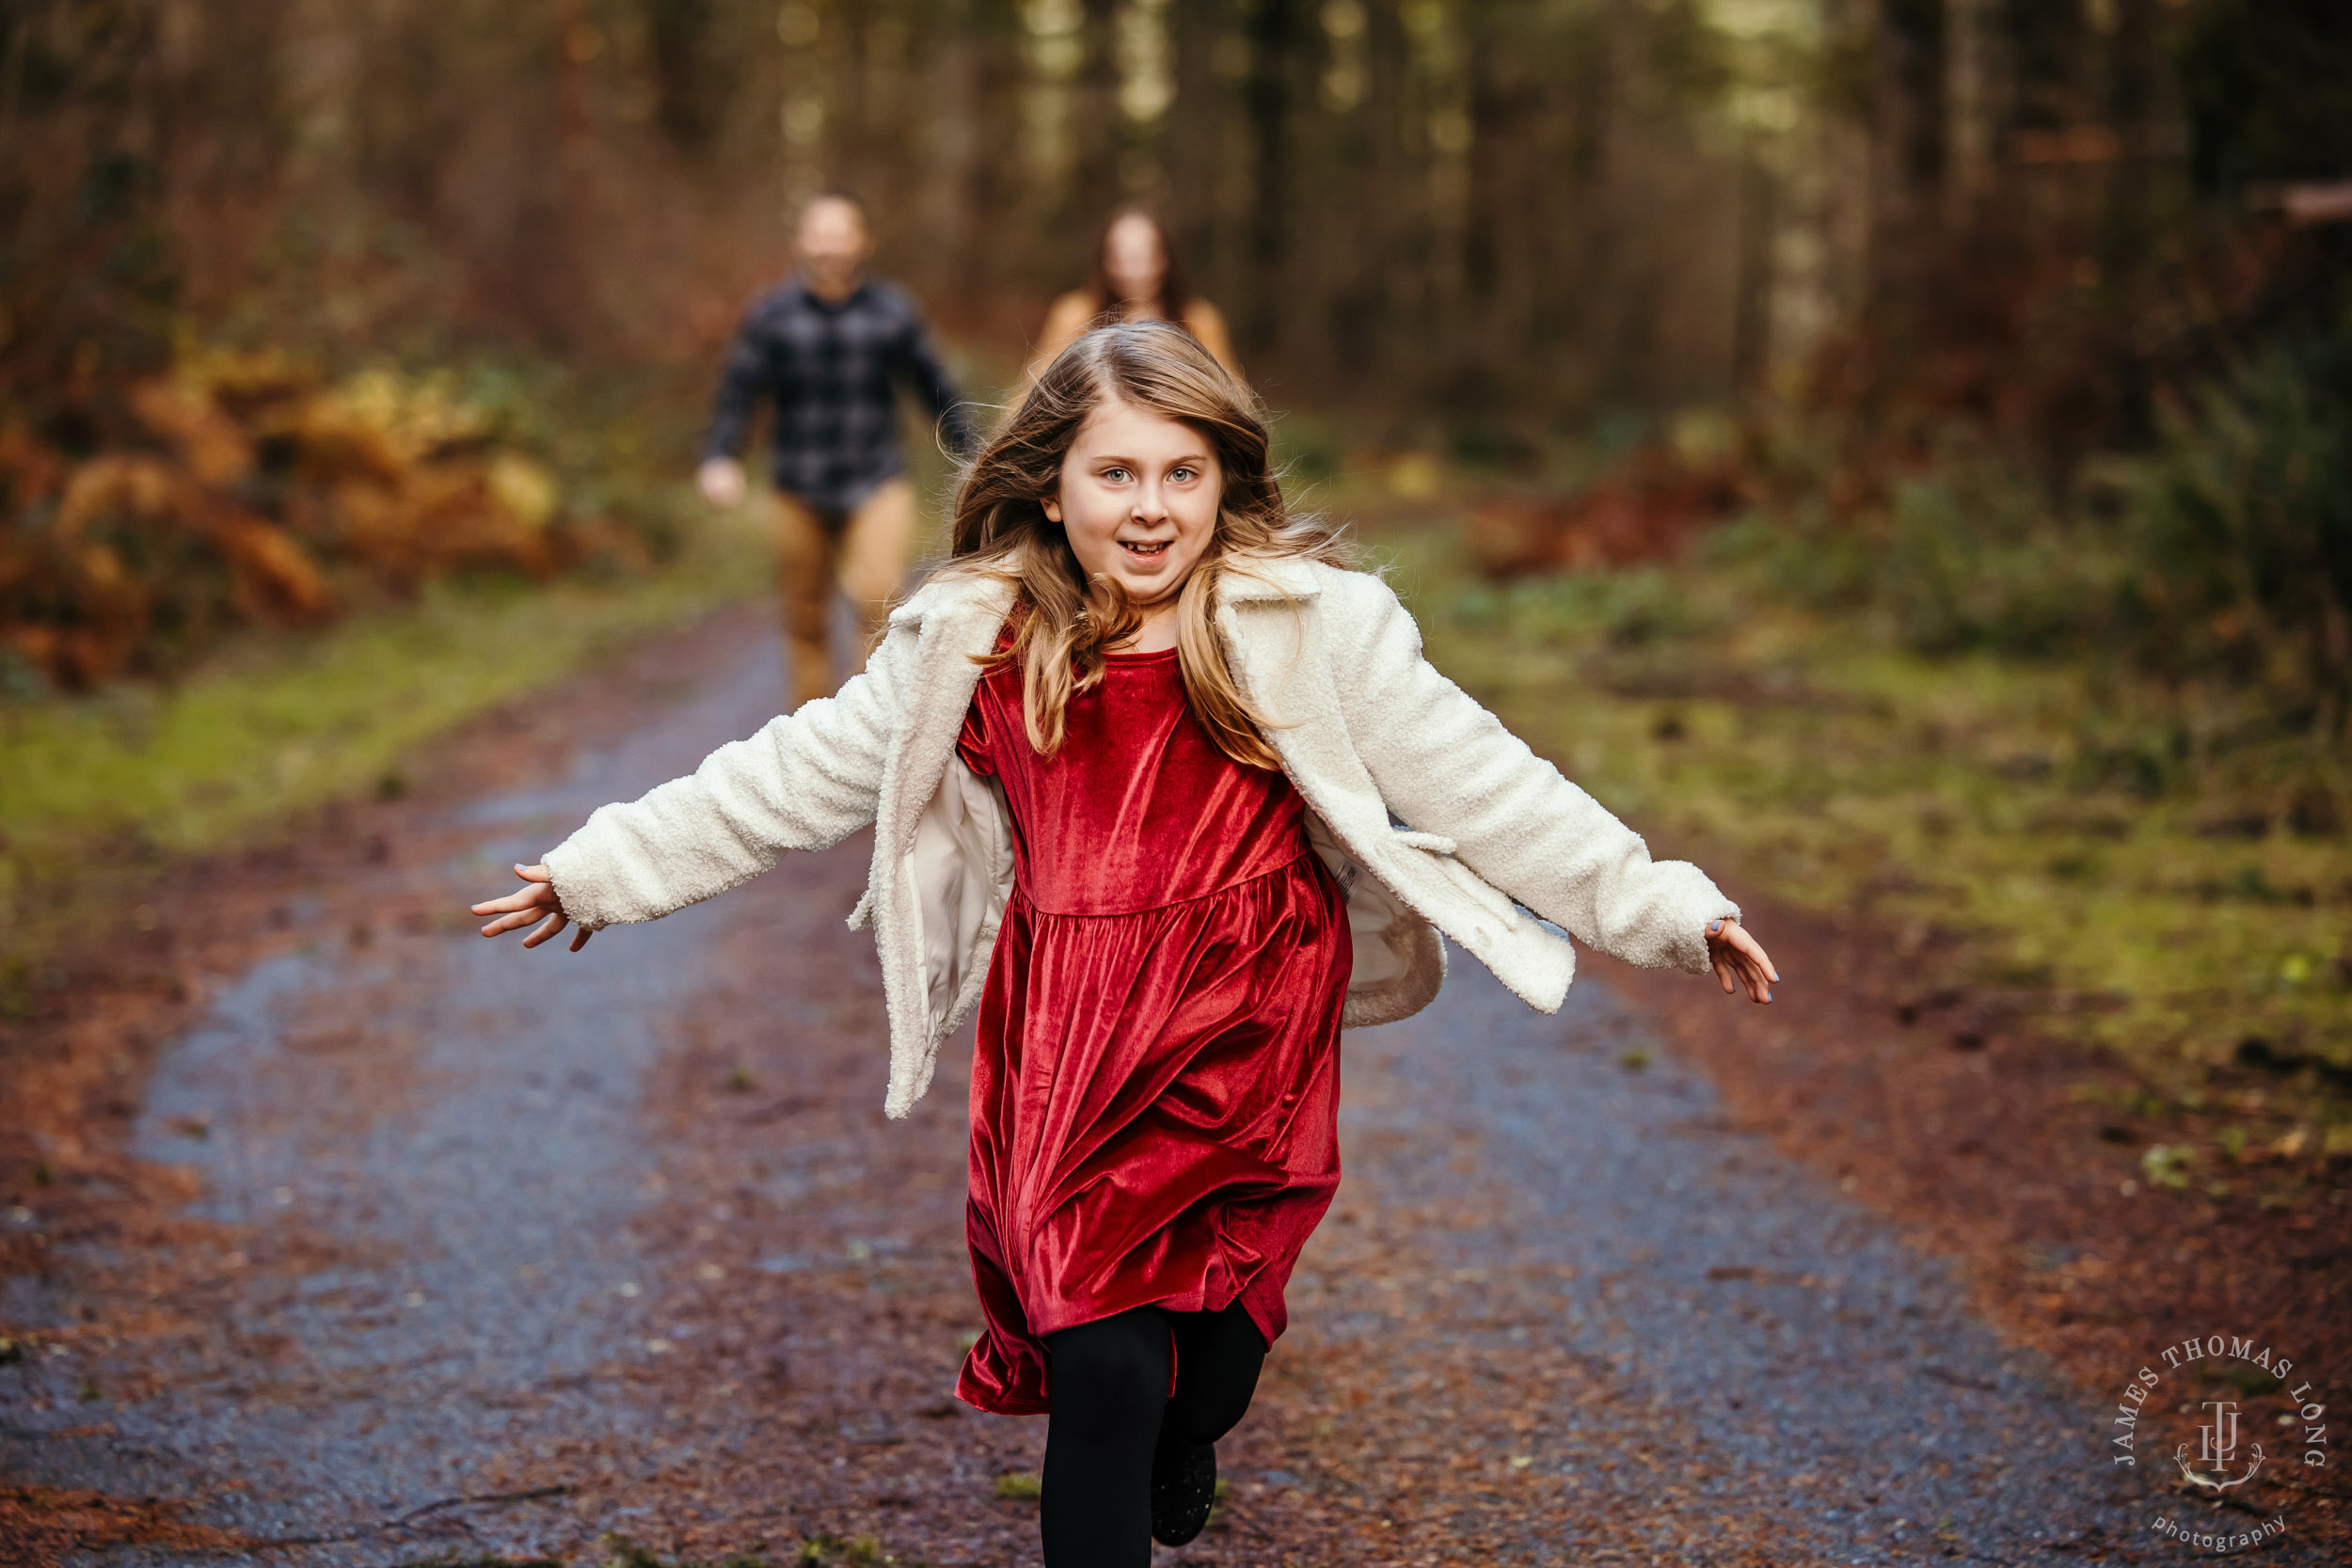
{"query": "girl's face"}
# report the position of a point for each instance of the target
(1138, 498)
(1131, 257)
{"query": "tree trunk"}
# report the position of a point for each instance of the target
(1273, 33)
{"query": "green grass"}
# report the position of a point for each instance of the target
(141, 773)
(2094, 855)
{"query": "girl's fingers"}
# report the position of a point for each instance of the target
(526, 905)
(1734, 954)
(540, 894)
(549, 923)
(1735, 951)
(1754, 950)
(513, 920)
(524, 898)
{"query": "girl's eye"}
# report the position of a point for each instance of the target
(1179, 475)
(1115, 475)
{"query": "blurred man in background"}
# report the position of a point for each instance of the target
(829, 344)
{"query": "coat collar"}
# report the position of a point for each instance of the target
(1248, 578)
(1245, 580)
(946, 596)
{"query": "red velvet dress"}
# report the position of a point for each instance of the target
(1156, 1085)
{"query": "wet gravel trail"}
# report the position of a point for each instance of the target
(493, 1253)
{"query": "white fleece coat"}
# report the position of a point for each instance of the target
(1367, 731)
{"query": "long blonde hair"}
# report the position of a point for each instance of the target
(1062, 622)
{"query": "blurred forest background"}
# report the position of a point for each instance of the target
(1902, 446)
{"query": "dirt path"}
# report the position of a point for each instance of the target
(480, 1252)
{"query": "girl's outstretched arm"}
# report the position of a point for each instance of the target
(806, 780)
(1448, 767)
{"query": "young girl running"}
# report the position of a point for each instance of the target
(1134, 756)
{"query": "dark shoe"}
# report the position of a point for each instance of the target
(1183, 1488)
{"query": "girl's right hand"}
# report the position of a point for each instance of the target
(535, 902)
(722, 483)
(1739, 960)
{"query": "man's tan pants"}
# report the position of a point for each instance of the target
(866, 553)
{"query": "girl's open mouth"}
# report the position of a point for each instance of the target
(1145, 546)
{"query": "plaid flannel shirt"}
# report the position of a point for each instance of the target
(830, 369)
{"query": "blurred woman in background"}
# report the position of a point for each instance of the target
(1137, 277)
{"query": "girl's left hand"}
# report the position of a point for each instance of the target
(1739, 960)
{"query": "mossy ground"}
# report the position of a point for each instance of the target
(2070, 850)
(99, 792)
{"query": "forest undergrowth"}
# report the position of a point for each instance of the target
(462, 534)
(1969, 728)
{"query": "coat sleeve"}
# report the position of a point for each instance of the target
(740, 381)
(806, 780)
(1448, 767)
(919, 360)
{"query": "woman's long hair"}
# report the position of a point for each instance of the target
(1062, 622)
(1174, 295)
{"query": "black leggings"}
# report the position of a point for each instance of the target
(1110, 1397)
